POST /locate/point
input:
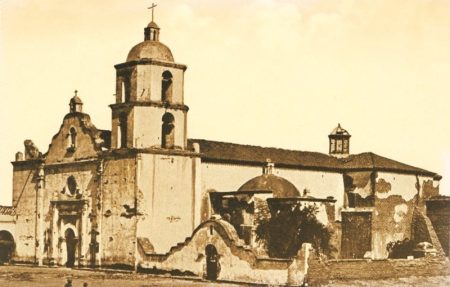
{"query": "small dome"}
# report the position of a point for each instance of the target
(280, 187)
(76, 100)
(153, 25)
(339, 131)
(150, 50)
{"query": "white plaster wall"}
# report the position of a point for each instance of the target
(167, 204)
(401, 184)
(148, 126)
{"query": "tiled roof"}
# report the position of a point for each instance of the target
(215, 151)
(7, 210)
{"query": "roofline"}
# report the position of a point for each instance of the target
(261, 164)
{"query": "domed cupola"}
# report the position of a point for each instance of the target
(151, 48)
(339, 140)
(280, 187)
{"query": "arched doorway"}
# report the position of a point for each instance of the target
(7, 246)
(71, 245)
(212, 262)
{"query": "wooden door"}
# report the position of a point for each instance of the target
(356, 234)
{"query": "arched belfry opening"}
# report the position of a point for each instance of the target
(168, 131)
(166, 87)
(123, 92)
(123, 130)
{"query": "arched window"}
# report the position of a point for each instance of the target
(166, 87)
(123, 126)
(168, 131)
(72, 143)
(72, 185)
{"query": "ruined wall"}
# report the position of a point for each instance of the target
(229, 177)
(395, 198)
(24, 199)
(236, 262)
(167, 199)
(321, 272)
(118, 225)
(438, 211)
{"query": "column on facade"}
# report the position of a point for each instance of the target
(40, 216)
(98, 207)
(84, 236)
(55, 235)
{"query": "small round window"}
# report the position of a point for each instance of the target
(72, 185)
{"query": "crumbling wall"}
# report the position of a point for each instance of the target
(438, 211)
(395, 198)
(322, 272)
(118, 223)
(359, 189)
(24, 199)
(236, 262)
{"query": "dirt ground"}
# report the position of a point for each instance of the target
(12, 276)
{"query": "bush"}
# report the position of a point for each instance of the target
(284, 232)
(400, 248)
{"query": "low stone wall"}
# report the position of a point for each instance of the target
(320, 272)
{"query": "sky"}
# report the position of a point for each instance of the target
(278, 73)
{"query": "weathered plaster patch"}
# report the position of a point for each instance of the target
(359, 183)
(429, 190)
(400, 212)
(382, 186)
(402, 185)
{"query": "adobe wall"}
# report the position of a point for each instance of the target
(166, 198)
(118, 226)
(396, 195)
(236, 262)
(321, 272)
(24, 198)
(438, 211)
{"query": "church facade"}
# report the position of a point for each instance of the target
(135, 194)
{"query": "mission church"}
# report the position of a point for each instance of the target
(145, 195)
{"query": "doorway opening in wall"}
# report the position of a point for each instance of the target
(212, 262)
(6, 246)
(71, 244)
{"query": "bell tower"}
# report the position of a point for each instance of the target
(149, 111)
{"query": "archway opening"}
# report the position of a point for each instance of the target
(7, 246)
(71, 244)
(212, 262)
